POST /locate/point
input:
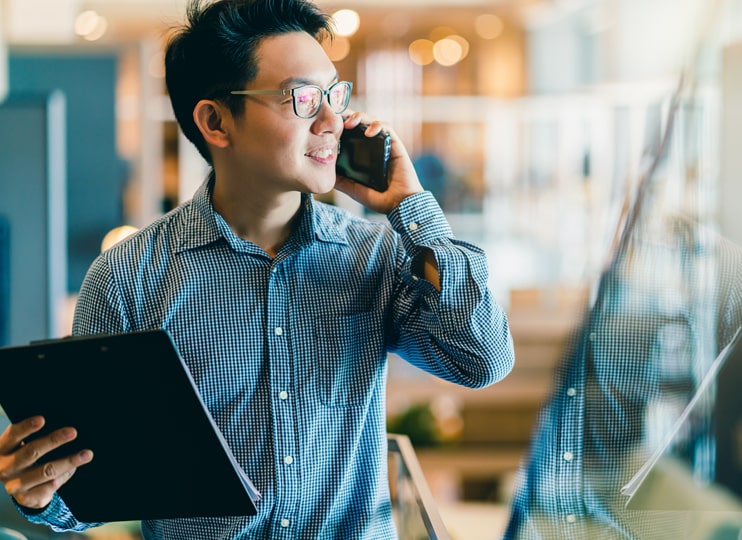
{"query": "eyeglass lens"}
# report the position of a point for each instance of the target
(308, 99)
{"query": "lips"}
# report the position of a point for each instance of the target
(324, 153)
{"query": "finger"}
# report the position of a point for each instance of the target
(351, 119)
(14, 434)
(355, 118)
(31, 452)
(41, 495)
(377, 126)
(50, 475)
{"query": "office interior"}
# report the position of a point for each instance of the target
(534, 122)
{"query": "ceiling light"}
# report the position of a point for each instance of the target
(462, 42)
(421, 52)
(347, 22)
(489, 26)
(447, 52)
(90, 26)
(86, 22)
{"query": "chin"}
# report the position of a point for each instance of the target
(322, 187)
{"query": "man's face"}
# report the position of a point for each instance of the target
(275, 150)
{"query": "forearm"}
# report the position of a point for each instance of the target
(427, 267)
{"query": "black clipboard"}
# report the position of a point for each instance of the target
(158, 453)
(667, 483)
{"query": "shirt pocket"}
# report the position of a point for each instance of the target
(350, 353)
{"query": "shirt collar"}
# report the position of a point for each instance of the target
(201, 228)
(319, 222)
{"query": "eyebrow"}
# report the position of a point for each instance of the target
(293, 82)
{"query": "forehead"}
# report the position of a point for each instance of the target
(295, 55)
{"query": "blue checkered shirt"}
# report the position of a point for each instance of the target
(662, 314)
(290, 353)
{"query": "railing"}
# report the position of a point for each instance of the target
(415, 512)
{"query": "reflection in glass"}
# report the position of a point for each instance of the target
(640, 437)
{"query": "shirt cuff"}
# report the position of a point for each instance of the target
(56, 516)
(52, 510)
(420, 222)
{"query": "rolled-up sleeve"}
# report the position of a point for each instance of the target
(459, 334)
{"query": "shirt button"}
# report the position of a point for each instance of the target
(285, 523)
(274, 270)
(591, 337)
(571, 518)
(568, 456)
(414, 226)
(278, 331)
(288, 460)
(283, 394)
(571, 392)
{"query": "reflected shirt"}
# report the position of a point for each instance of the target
(290, 353)
(660, 317)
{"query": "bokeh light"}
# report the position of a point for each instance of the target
(447, 52)
(489, 26)
(347, 22)
(421, 52)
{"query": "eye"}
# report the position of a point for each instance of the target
(305, 95)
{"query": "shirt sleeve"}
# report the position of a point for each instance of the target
(56, 516)
(459, 334)
(100, 306)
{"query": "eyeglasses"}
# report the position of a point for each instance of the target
(308, 98)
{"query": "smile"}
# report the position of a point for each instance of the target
(325, 153)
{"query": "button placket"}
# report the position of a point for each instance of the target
(285, 418)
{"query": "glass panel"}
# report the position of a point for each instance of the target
(641, 436)
(415, 513)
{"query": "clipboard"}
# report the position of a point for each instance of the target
(664, 483)
(157, 452)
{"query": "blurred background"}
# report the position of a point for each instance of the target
(531, 121)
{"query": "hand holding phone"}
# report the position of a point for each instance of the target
(364, 160)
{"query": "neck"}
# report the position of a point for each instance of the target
(263, 219)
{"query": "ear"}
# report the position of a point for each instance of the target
(211, 119)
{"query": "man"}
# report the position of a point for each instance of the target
(283, 308)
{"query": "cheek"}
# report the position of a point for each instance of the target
(272, 147)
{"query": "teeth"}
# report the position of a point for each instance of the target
(322, 154)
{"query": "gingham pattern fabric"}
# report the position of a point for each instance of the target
(290, 353)
(661, 315)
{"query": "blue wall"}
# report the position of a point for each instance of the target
(95, 174)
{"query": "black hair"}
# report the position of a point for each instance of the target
(214, 51)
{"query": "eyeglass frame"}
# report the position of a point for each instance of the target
(291, 92)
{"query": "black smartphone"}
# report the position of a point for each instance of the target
(364, 159)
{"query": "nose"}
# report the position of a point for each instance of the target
(327, 119)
